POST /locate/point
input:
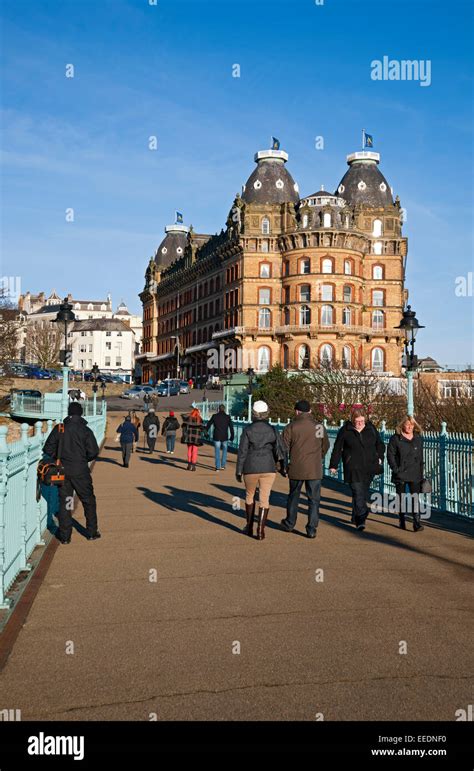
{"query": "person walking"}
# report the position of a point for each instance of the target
(362, 450)
(307, 443)
(146, 404)
(192, 436)
(78, 448)
(405, 458)
(128, 434)
(261, 448)
(223, 433)
(170, 426)
(151, 427)
(136, 422)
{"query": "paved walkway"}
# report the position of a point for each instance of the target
(306, 646)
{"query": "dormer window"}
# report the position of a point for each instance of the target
(266, 226)
(305, 220)
(377, 228)
(327, 220)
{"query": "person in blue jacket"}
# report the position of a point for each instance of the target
(128, 435)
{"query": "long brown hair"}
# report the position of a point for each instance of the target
(408, 419)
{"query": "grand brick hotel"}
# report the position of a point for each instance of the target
(290, 280)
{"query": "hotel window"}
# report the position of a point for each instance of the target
(327, 266)
(305, 293)
(286, 268)
(264, 296)
(377, 228)
(264, 246)
(326, 315)
(305, 220)
(347, 294)
(265, 226)
(305, 266)
(303, 357)
(108, 334)
(263, 358)
(377, 297)
(347, 316)
(286, 316)
(83, 348)
(378, 247)
(108, 346)
(264, 318)
(327, 292)
(326, 354)
(327, 220)
(305, 315)
(348, 267)
(90, 347)
(378, 321)
(347, 357)
(107, 361)
(264, 270)
(118, 362)
(377, 272)
(377, 360)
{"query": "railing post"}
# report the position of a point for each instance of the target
(443, 502)
(383, 429)
(39, 442)
(4, 603)
(249, 411)
(24, 495)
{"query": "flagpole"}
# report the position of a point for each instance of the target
(363, 138)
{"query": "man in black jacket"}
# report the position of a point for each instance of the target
(79, 448)
(151, 427)
(223, 432)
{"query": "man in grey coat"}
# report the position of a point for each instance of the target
(307, 443)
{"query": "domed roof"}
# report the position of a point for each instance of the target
(270, 182)
(173, 245)
(363, 182)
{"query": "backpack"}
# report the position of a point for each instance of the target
(52, 472)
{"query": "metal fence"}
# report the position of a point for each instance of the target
(448, 463)
(23, 519)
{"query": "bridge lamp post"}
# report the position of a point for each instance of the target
(65, 316)
(409, 326)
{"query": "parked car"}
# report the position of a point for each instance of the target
(18, 370)
(26, 392)
(137, 392)
(183, 387)
(36, 373)
(168, 388)
(56, 374)
(101, 378)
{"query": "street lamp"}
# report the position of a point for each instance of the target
(250, 373)
(65, 316)
(409, 325)
(95, 372)
(175, 337)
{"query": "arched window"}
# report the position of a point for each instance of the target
(90, 307)
(263, 362)
(348, 267)
(326, 315)
(325, 354)
(327, 266)
(305, 315)
(266, 226)
(378, 360)
(377, 228)
(264, 318)
(378, 247)
(347, 357)
(305, 220)
(327, 220)
(347, 294)
(303, 357)
(305, 293)
(347, 316)
(378, 320)
(305, 266)
(377, 272)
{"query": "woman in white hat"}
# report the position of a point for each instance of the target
(261, 448)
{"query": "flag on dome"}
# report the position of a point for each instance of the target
(275, 143)
(368, 140)
(179, 218)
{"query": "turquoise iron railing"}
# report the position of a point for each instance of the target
(23, 519)
(448, 460)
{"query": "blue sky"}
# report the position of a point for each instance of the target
(166, 70)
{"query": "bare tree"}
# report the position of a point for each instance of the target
(43, 344)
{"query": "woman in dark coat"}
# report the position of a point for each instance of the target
(362, 450)
(192, 436)
(405, 458)
(260, 449)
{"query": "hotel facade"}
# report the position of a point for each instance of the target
(290, 280)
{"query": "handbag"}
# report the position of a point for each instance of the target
(425, 486)
(52, 472)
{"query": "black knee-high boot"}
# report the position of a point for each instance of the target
(250, 512)
(261, 522)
